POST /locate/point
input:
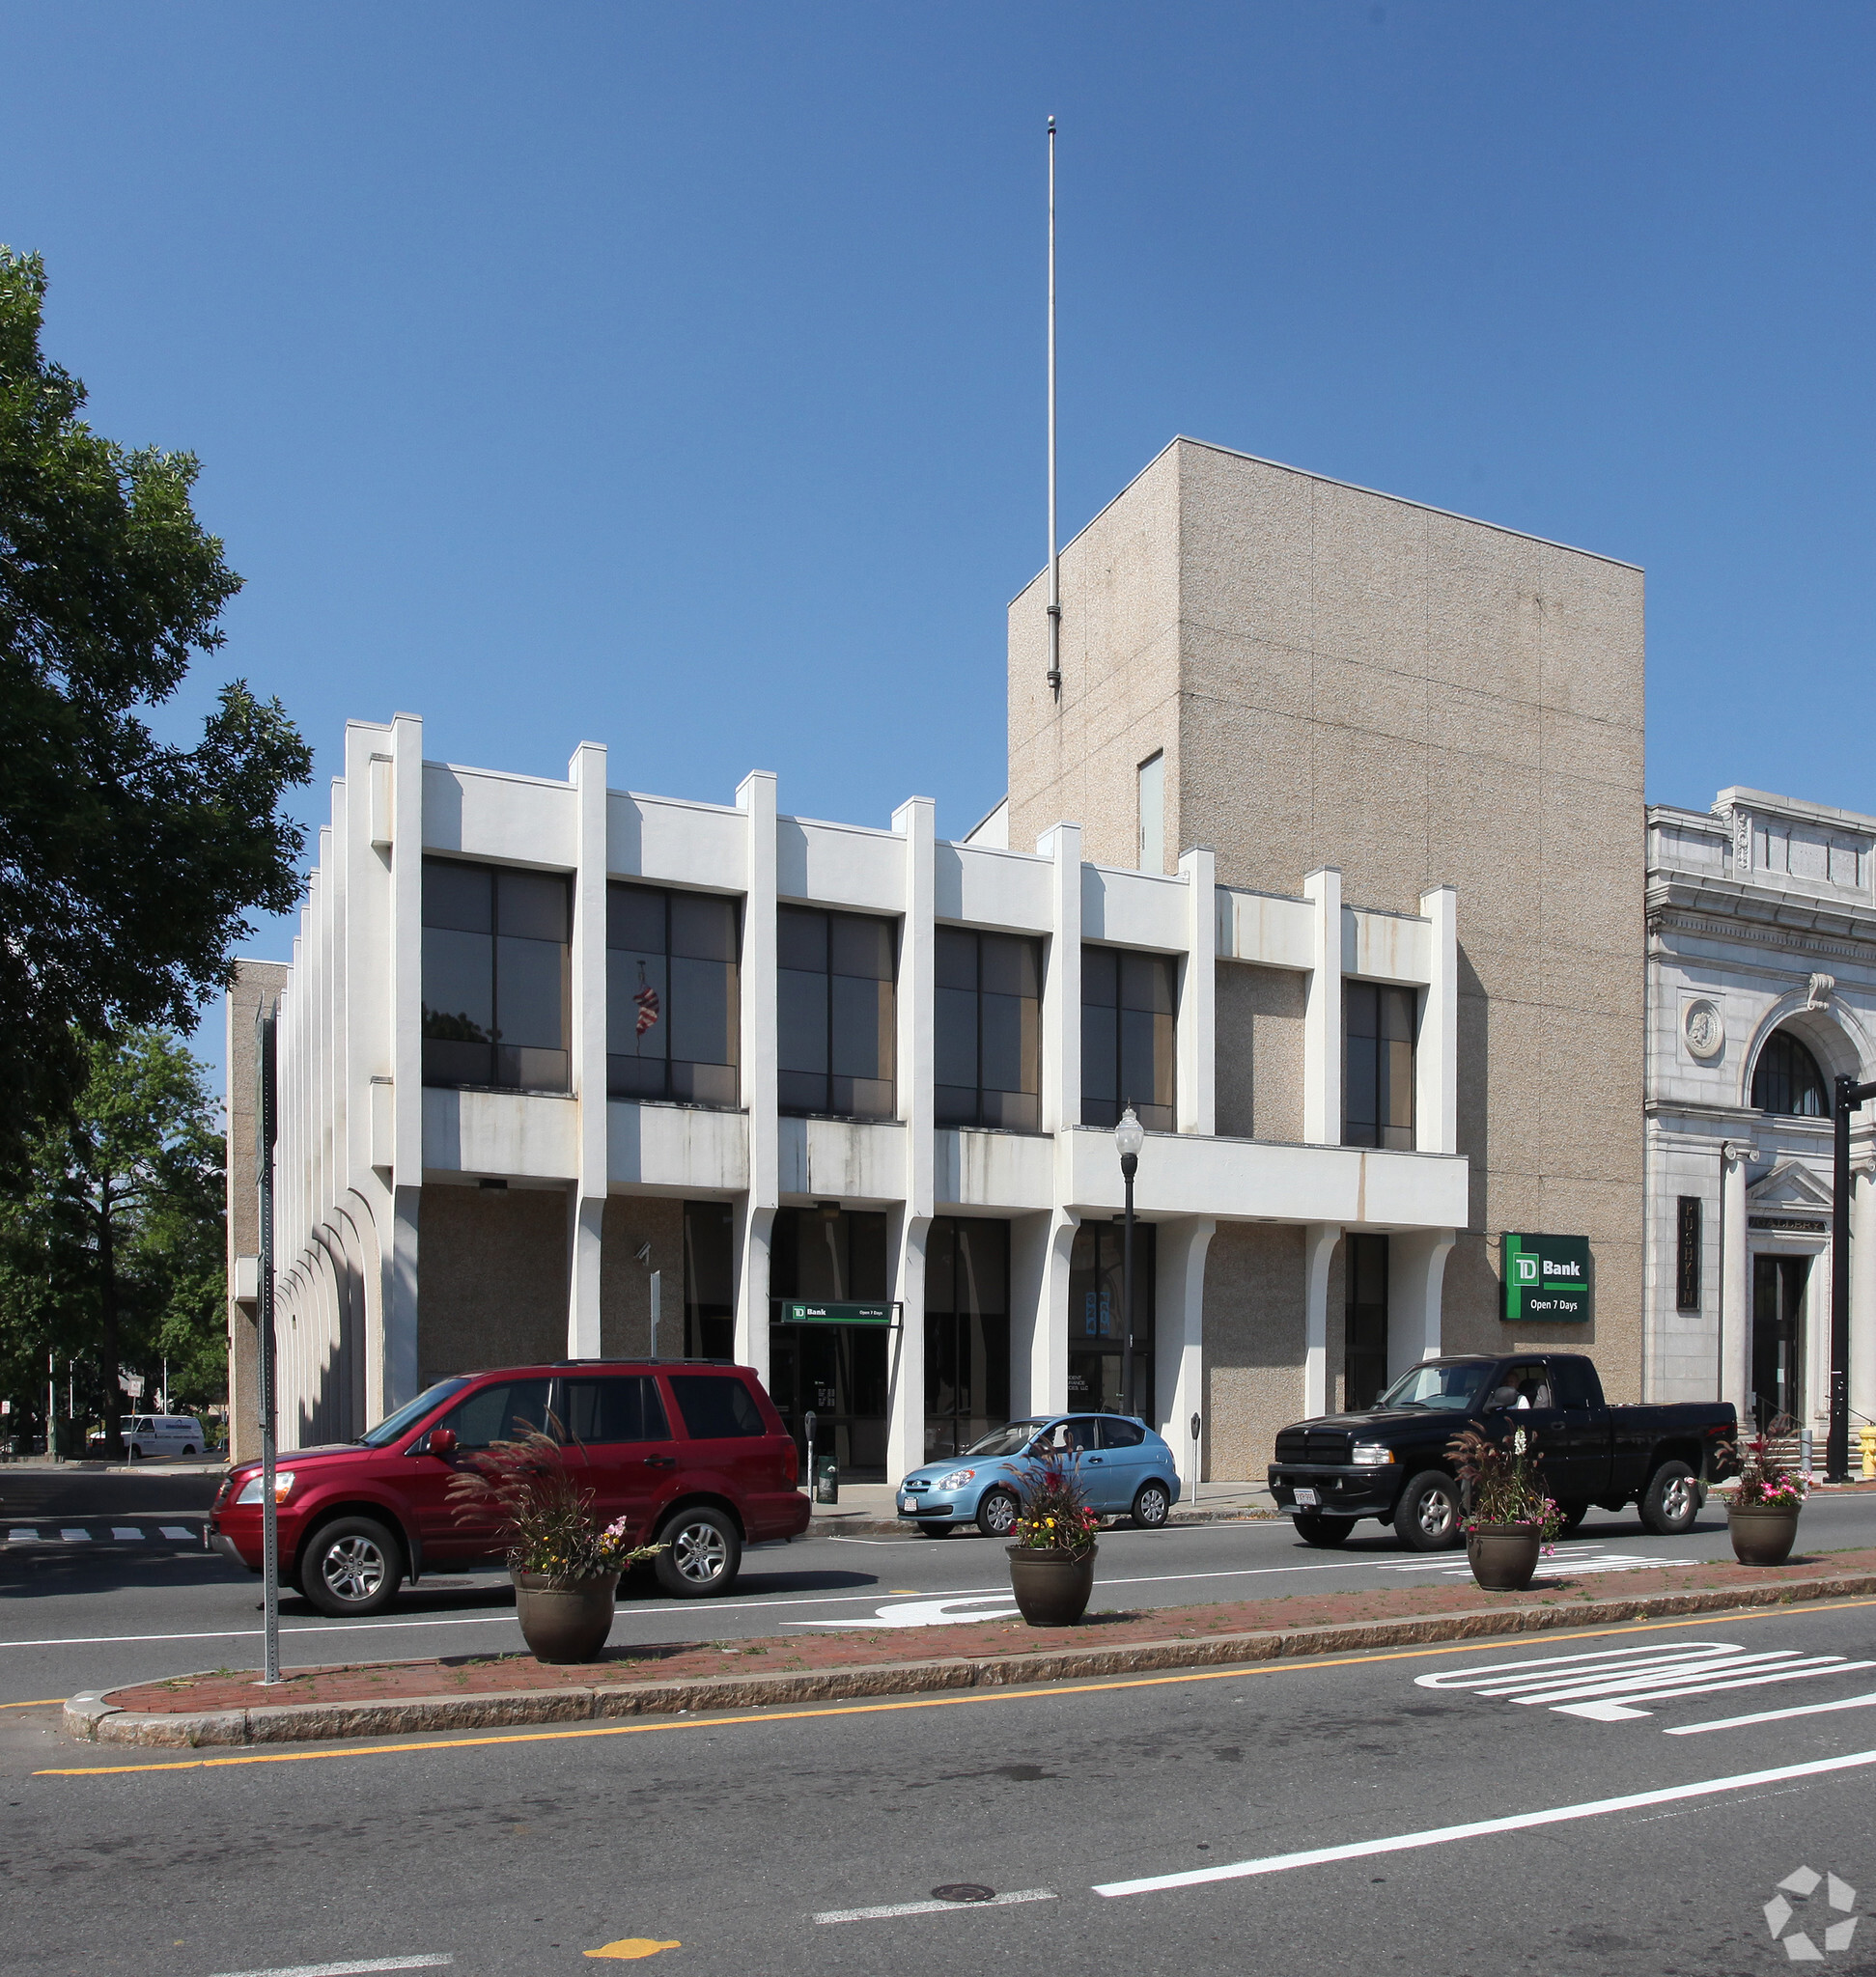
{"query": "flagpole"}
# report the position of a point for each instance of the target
(1054, 556)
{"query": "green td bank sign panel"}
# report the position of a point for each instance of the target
(1547, 1279)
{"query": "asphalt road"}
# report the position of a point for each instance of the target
(1631, 1810)
(92, 1610)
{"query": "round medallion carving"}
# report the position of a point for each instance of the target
(1704, 1028)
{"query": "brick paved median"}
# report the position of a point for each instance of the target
(461, 1691)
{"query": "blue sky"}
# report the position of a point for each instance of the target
(672, 376)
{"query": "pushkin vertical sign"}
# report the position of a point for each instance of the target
(1547, 1279)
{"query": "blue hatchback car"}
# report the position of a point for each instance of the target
(1126, 1468)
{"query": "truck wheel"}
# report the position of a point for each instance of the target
(1426, 1518)
(1313, 1528)
(1573, 1516)
(1672, 1500)
(351, 1567)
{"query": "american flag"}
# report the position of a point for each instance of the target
(647, 1001)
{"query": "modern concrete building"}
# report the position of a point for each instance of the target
(1327, 858)
(1761, 991)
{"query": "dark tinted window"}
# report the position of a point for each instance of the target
(673, 996)
(1122, 1435)
(988, 1021)
(715, 1405)
(1127, 1037)
(612, 1406)
(496, 976)
(835, 1013)
(1378, 1065)
(503, 1410)
(1575, 1384)
(1786, 1079)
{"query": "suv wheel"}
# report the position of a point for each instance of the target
(351, 1567)
(1427, 1516)
(702, 1554)
(1152, 1506)
(1672, 1500)
(996, 1514)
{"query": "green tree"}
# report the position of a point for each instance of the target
(113, 1252)
(127, 866)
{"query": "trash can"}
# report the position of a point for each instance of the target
(827, 1480)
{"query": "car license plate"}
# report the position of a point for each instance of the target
(1305, 1498)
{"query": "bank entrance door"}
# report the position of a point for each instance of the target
(1778, 1287)
(1096, 1334)
(836, 1371)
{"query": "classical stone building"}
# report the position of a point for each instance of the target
(1327, 858)
(1761, 991)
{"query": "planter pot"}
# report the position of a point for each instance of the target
(564, 1620)
(1504, 1556)
(1051, 1588)
(1760, 1535)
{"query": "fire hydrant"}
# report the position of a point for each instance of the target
(1867, 1437)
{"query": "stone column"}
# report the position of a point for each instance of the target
(1319, 1251)
(916, 1004)
(1179, 1371)
(756, 1210)
(1197, 1033)
(1416, 1270)
(1436, 1057)
(586, 1201)
(1735, 1278)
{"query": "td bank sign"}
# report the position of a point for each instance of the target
(1547, 1279)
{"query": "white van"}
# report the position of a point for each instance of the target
(162, 1435)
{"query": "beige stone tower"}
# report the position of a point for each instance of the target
(1333, 677)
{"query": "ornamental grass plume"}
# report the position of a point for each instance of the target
(543, 1520)
(1054, 1514)
(1498, 1484)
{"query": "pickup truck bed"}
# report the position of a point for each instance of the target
(1390, 1461)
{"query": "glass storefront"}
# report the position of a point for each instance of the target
(838, 1371)
(1097, 1337)
(966, 1332)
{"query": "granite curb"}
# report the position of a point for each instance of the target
(94, 1718)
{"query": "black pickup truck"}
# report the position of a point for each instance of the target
(1390, 1460)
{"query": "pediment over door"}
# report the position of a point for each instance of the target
(1789, 1189)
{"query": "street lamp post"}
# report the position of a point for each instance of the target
(1836, 1449)
(1129, 1136)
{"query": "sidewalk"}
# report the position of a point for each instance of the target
(680, 1678)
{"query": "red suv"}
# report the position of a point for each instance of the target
(692, 1452)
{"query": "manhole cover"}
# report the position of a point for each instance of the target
(964, 1891)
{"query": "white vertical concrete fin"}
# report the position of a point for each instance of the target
(586, 1207)
(1417, 1272)
(756, 1213)
(1197, 1031)
(915, 1000)
(1179, 1377)
(1322, 1013)
(399, 1372)
(1061, 992)
(1862, 1305)
(1319, 1240)
(1436, 1060)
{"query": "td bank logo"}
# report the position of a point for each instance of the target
(1526, 1269)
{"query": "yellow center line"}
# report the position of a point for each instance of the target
(49, 1702)
(1472, 1645)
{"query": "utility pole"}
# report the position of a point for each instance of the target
(1836, 1450)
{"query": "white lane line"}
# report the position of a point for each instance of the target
(73, 1534)
(1852, 1701)
(892, 1909)
(22, 1536)
(346, 1969)
(1439, 1836)
(178, 1531)
(127, 1531)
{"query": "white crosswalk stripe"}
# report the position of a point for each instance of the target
(123, 1534)
(1565, 1561)
(1615, 1685)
